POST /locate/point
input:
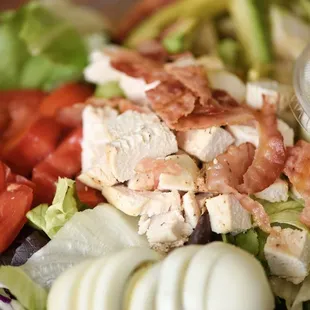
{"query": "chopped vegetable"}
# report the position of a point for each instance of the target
(96, 232)
(39, 49)
(290, 34)
(64, 96)
(65, 161)
(252, 27)
(152, 27)
(64, 206)
(178, 37)
(248, 241)
(29, 294)
(109, 90)
(12, 215)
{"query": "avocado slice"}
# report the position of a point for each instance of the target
(152, 27)
(251, 19)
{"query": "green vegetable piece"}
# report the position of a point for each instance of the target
(252, 28)
(13, 52)
(64, 206)
(231, 52)
(152, 26)
(109, 90)
(248, 241)
(39, 49)
(36, 216)
(29, 294)
(45, 34)
(285, 213)
(179, 38)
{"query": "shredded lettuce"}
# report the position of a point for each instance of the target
(40, 48)
(29, 294)
(109, 90)
(64, 206)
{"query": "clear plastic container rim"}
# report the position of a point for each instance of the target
(300, 104)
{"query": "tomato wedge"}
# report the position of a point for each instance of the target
(17, 109)
(65, 161)
(6, 176)
(88, 195)
(24, 150)
(65, 96)
(15, 202)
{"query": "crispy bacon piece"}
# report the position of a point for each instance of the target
(171, 101)
(155, 167)
(270, 156)
(297, 169)
(226, 173)
(193, 78)
(226, 169)
(137, 66)
(142, 10)
(154, 50)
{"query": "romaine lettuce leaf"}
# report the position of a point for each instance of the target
(64, 206)
(40, 49)
(248, 241)
(29, 294)
(285, 213)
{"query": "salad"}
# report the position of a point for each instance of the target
(153, 164)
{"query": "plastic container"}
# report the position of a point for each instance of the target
(300, 104)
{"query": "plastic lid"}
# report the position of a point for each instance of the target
(300, 105)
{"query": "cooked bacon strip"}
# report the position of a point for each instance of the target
(297, 169)
(137, 66)
(194, 78)
(171, 101)
(226, 173)
(154, 50)
(227, 169)
(237, 116)
(155, 167)
(270, 156)
(140, 11)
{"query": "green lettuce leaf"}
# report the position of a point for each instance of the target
(29, 294)
(248, 241)
(285, 213)
(64, 206)
(109, 90)
(38, 49)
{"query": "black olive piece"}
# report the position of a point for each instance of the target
(202, 233)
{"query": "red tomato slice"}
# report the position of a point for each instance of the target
(23, 151)
(65, 96)
(15, 202)
(88, 195)
(65, 161)
(6, 177)
(19, 108)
